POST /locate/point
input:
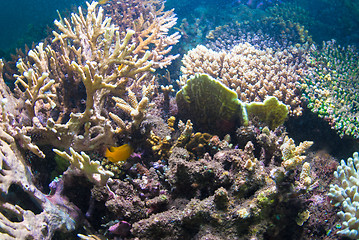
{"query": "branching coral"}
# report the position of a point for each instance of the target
(332, 86)
(31, 216)
(291, 154)
(346, 194)
(92, 169)
(151, 25)
(252, 73)
(68, 83)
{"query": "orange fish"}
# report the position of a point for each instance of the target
(119, 154)
(120, 67)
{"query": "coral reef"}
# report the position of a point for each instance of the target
(88, 60)
(26, 212)
(94, 144)
(232, 200)
(69, 94)
(266, 32)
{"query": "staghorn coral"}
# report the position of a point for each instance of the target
(136, 109)
(92, 169)
(331, 88)
(252, 73)
(151, 25)
(11, 107)
(89, 55)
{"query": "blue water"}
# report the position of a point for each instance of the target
(24, 21)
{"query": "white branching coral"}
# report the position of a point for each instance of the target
(291, 154)
(92, 169)
(346, 193)
(93, 55)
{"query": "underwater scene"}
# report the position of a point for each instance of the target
(155, 119)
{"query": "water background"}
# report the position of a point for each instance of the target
(24, 21)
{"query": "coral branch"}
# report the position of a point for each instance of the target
(92, 169)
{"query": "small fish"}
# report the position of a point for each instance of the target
(120, 67)
(119, 154)
(102, 1)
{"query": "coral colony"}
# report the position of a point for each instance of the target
(93, 146)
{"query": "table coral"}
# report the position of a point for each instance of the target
(265, 32)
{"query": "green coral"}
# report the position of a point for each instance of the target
(332, 88)
(210, 103)
(271, 111)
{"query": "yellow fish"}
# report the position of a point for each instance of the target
(119, 154)
(102, 1)
(120, 67)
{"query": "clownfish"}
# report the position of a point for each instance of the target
(119, 154)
